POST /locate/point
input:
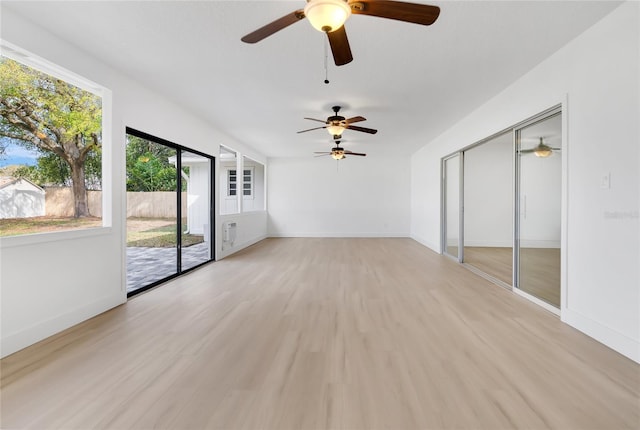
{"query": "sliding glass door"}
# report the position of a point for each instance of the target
(501, 199)
(196, 215)
(539, 208)
(488, 207)
(451, 204)
(169, 210)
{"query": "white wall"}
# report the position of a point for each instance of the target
(354, 197)
(254, 202)
(51, 282)
(596, 78)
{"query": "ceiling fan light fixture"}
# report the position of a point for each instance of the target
(335, 129)
(337, 154)
(327, 15)
(543, 152)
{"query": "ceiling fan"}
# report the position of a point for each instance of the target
(541, 150)
(336, 124)
(329, 17)
(338, 153)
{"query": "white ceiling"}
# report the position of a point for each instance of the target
(411, 82)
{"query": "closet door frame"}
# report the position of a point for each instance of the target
(556, 110)
(561, 109)
(445, 228)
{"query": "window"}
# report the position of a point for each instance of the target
(229, 197)
(232, 183)
(247, 183)
(51, 154)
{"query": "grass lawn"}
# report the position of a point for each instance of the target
(42, 224)
(145, 232)
(160, 237)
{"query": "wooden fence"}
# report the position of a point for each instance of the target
(155, 204)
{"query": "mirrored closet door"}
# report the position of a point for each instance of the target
(488, 207)
(539, 194)
(501, 207)
(451, 194)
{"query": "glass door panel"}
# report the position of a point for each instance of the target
(152, 224)
(539, 209)
(452, 205)
(195, 210)
(488, 207)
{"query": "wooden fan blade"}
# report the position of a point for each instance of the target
(321, 154)
(315, 128)
(273, 27)
(362, 129)
(319, 120)
(355, 153)
(408, 12)
(355, 119)
(340, 46)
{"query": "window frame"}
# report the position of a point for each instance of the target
(43, 65)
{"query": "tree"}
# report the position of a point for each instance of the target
(58, 119)
(148, 166)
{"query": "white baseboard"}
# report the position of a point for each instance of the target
(16, 341)
(229, 251)
(432, 246)
(338, 235)
(488, 243)
(619, 342)
(530, 243)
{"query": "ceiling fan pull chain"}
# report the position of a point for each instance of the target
(326, 57)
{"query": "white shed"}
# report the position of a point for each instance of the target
(20, 198)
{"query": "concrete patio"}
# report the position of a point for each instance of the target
(148, 265)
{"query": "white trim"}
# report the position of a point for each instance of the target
(27, 58)
(564, 208)
(432, 246)
(609, 337)
(329, 234)
(537, 301)
(52, 236)
(227, 252)
(43, 329)
(489, 243)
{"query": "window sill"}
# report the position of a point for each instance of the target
(52, 236)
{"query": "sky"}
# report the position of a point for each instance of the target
(15, 154)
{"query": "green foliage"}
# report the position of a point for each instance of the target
(52, 170)
(59, 120)
(148, 166)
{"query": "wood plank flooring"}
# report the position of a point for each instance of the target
(539, 269)
(322, 334)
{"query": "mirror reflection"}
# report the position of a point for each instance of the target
(488, 207)
(539, 209)
(452, 204)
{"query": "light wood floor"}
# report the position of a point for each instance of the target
(323, 334)
(539, 269)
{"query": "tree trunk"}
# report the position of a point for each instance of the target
(80, 199)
